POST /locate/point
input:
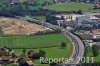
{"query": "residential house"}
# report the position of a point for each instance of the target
(96, 33)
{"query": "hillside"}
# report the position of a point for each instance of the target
(35, 1)
(71, 7)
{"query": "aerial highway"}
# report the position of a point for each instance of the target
(78, 50)
(78, 46)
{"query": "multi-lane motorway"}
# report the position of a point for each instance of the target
(78, 50)
(78, 46)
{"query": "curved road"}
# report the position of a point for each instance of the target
(78, 46)
(78, 50)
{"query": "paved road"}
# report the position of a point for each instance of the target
(78, 47)
(78, 50)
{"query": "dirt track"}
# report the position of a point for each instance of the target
(18, 27)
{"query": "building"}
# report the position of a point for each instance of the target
(69, 16)
(62, 1)
(83, 18)
(96, 33)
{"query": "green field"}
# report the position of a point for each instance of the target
(53, 52)
(90, 54)
(33, 40)
(38, 1)
(40, 40)
(72, 7)
(42, 1)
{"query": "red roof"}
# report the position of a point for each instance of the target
(30, 62)
(95, 31)
(5, 58)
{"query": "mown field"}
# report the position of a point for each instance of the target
(38, 1)
(72, 7)
(40, 40)
(33, 40)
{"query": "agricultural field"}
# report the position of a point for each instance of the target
(42, 1)
(48, 42)
(11, 26)
(51, 43)
(72, 7)
(33, 40)
(38, 1)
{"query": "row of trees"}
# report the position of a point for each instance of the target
(95, 50)
(63, 1)
(38, 2)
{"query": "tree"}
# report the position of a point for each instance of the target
(42, 53)
(64, 25)
(63, 45)
(51, 19)
(80, 12)
(95, 50)
(24, 51)
(62, 17)
(1, 32)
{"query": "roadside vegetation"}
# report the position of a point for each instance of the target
(94, 52)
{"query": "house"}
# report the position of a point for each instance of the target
(61, 1)
(30, 63)
(96, 33)
(5, 58)
(5, 55)
(82, 19)
(84, 32)
(26, 63)
(90, 42)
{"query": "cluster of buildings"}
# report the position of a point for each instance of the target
(86, 20)
(7, 56)
(78, 20)
(96, 33)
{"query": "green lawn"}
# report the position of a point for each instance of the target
(71, 7)
(33, 40)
